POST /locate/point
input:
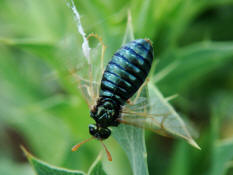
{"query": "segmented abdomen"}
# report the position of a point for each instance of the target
(127, 70)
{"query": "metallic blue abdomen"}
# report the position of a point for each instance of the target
(127, 70)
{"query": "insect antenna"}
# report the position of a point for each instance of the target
(76, 147)
(106, 150)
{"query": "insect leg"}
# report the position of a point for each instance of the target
(129, 102)
(78, 79)
(144, 114)
(137, 115)
(159, 131)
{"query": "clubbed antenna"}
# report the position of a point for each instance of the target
(76, 147)
(106, 150)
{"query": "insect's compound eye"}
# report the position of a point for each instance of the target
(100, 133)
(93, 129)
(104, 133)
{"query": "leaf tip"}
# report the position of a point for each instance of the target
(194, 144)
(25, 151)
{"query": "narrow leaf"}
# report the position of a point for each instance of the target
(223, 154)
(97, 167)
(132, 141)
(189, 64)
(43, 168)
(129, 35)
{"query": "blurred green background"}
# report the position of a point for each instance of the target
(42, 109)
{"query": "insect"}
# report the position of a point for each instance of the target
(123, 76)
(110, 97)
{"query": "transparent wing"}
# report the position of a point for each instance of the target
(155, 113)
(88, 75)
(88, 88)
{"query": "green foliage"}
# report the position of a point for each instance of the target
(42, 108)
(132, 141)
(97, 168)
(223, 153)
(190, 65)
(42, 168)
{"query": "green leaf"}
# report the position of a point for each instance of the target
(129, 35)
(97, 167)
(20, 108)
(42, 168)
(144, 10)
(221, 105)
(221, 124)
(183, 67)
(132, 140)
(42, 131)
(180, 161)
(9, 167)
(223, 154)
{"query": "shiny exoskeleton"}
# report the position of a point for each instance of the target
(123, 76)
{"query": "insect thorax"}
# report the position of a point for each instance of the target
(106, 112)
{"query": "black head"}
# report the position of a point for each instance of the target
(98, 132)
